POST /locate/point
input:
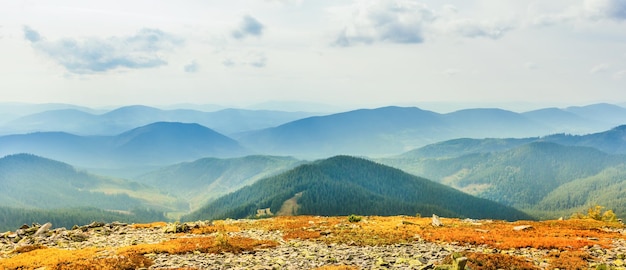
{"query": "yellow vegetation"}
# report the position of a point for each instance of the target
(210, 244)
(149, 225)
(59, 259)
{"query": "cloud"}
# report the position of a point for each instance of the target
(94, 55)
(474, 29)
(397, 21)
(251, 59)
(257, 60)
(228, 62)
(611, 9)
(531, 65)
(192, 67)
(31, 35)
(249, 26)
(600, 68)
(451, 71)
(409, 22)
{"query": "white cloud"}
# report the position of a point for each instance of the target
(474, 29)
(531, 65)
(397, 21)
(93, 55)
(192, 67)
(601, 9)
(250, 59)
(249, 26)
(600, 68)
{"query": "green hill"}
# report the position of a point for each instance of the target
(29, 181)
(345, 185)
(520, 177)
(206, 179)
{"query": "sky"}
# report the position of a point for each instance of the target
(347, 53)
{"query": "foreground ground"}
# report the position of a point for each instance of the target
(307, 242)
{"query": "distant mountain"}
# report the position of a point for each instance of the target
(345, 185)
(33, 182)
(563, 121)
(83, 122)
(612, 141)
(160, 143)
(521, 176)
(388, 130)
(206, 179)
(464, 146)
(490, 123)
(603, 113)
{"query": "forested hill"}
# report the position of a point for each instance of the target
(344, 185)
(33, 182)
(205, 179)
(533, 176)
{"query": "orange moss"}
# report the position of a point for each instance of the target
(88, 258)
(217, 227)
(302, 235)
(480, 261)
(149, 225)
(569, 260)
(562, 235)
(201, 244)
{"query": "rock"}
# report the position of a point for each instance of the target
(43, 229)
(436, 222)
(24, 227)
(522, 227)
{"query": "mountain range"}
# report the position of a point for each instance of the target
(81, 121)
(161, 143)
(548, 162)
(392, 130)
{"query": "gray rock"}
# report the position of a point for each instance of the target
(43, 229)
(436, 221)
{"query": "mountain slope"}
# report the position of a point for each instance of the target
(345, 185)
(611, 141)
(168, 142)
(160, 143)
(30, 181)
(519, 177)
(205, 179)
(366, 131)
(607, 188)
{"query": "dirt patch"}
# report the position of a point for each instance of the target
(290, 207)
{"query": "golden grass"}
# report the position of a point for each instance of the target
(149, 225)
(60, 259)
(218, 244)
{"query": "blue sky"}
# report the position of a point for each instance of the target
(348, 53)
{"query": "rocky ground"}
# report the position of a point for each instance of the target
(416, 253)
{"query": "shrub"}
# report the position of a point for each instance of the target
(596, 213)
(354, 218)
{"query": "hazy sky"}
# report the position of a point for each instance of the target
(366, 53)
